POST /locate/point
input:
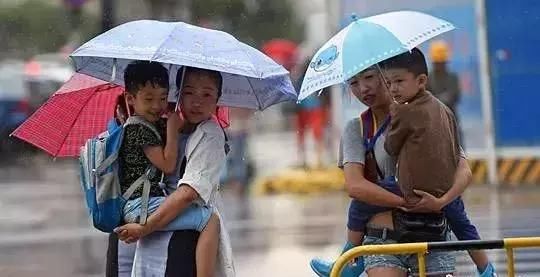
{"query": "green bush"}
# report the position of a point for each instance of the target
(270, 19)
(36, 27)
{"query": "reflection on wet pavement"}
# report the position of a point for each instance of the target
(45, 231)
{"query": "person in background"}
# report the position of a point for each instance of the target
(285, 53)
(312, 113)
(237, 172)
(443, 83)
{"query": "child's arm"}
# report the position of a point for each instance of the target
(462, 179)
(463, 175)
(398, 132)
(164, 158)
(430, 203)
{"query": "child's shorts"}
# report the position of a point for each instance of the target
(194, 217)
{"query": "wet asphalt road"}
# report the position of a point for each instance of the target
(44, 230)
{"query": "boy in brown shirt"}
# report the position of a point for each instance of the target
(423, 133)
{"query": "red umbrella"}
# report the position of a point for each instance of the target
(79, 110)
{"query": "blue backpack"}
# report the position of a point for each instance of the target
(99, 177)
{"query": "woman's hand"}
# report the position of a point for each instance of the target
(428, 204)
(131, 232)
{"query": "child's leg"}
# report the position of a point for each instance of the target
(200, 218)
(132, 209)
(194, 217)
(464, 230)
(355, 237)
(323, 267)
(359, 214)
(480, 259)
(207, 248)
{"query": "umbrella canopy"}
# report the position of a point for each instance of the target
(250, 78)
(72, 115)
(366, 42)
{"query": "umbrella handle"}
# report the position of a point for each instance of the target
(180, 88)
(385, 82)
(113, 73)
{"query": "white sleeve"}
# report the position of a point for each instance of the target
(204, 165)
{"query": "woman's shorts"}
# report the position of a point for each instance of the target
(436, 262)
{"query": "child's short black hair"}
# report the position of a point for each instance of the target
(413, 61)
(138, 73)
(215, 75)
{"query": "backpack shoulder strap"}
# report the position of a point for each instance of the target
(366, 124)
(138, 120)
(370, 133)
(226, 147)
(143, 180)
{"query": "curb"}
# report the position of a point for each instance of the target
(301, 181)
(512, 172)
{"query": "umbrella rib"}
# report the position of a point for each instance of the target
(261, 75)
(14, 133)
(162, 43)
(254, 93)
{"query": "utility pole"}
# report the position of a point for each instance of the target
(333, 18)
(485, 87)
(107, 15)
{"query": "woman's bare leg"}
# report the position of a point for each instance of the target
(386, 272)
(355, 237)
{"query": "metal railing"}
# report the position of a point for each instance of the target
(422, 248)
